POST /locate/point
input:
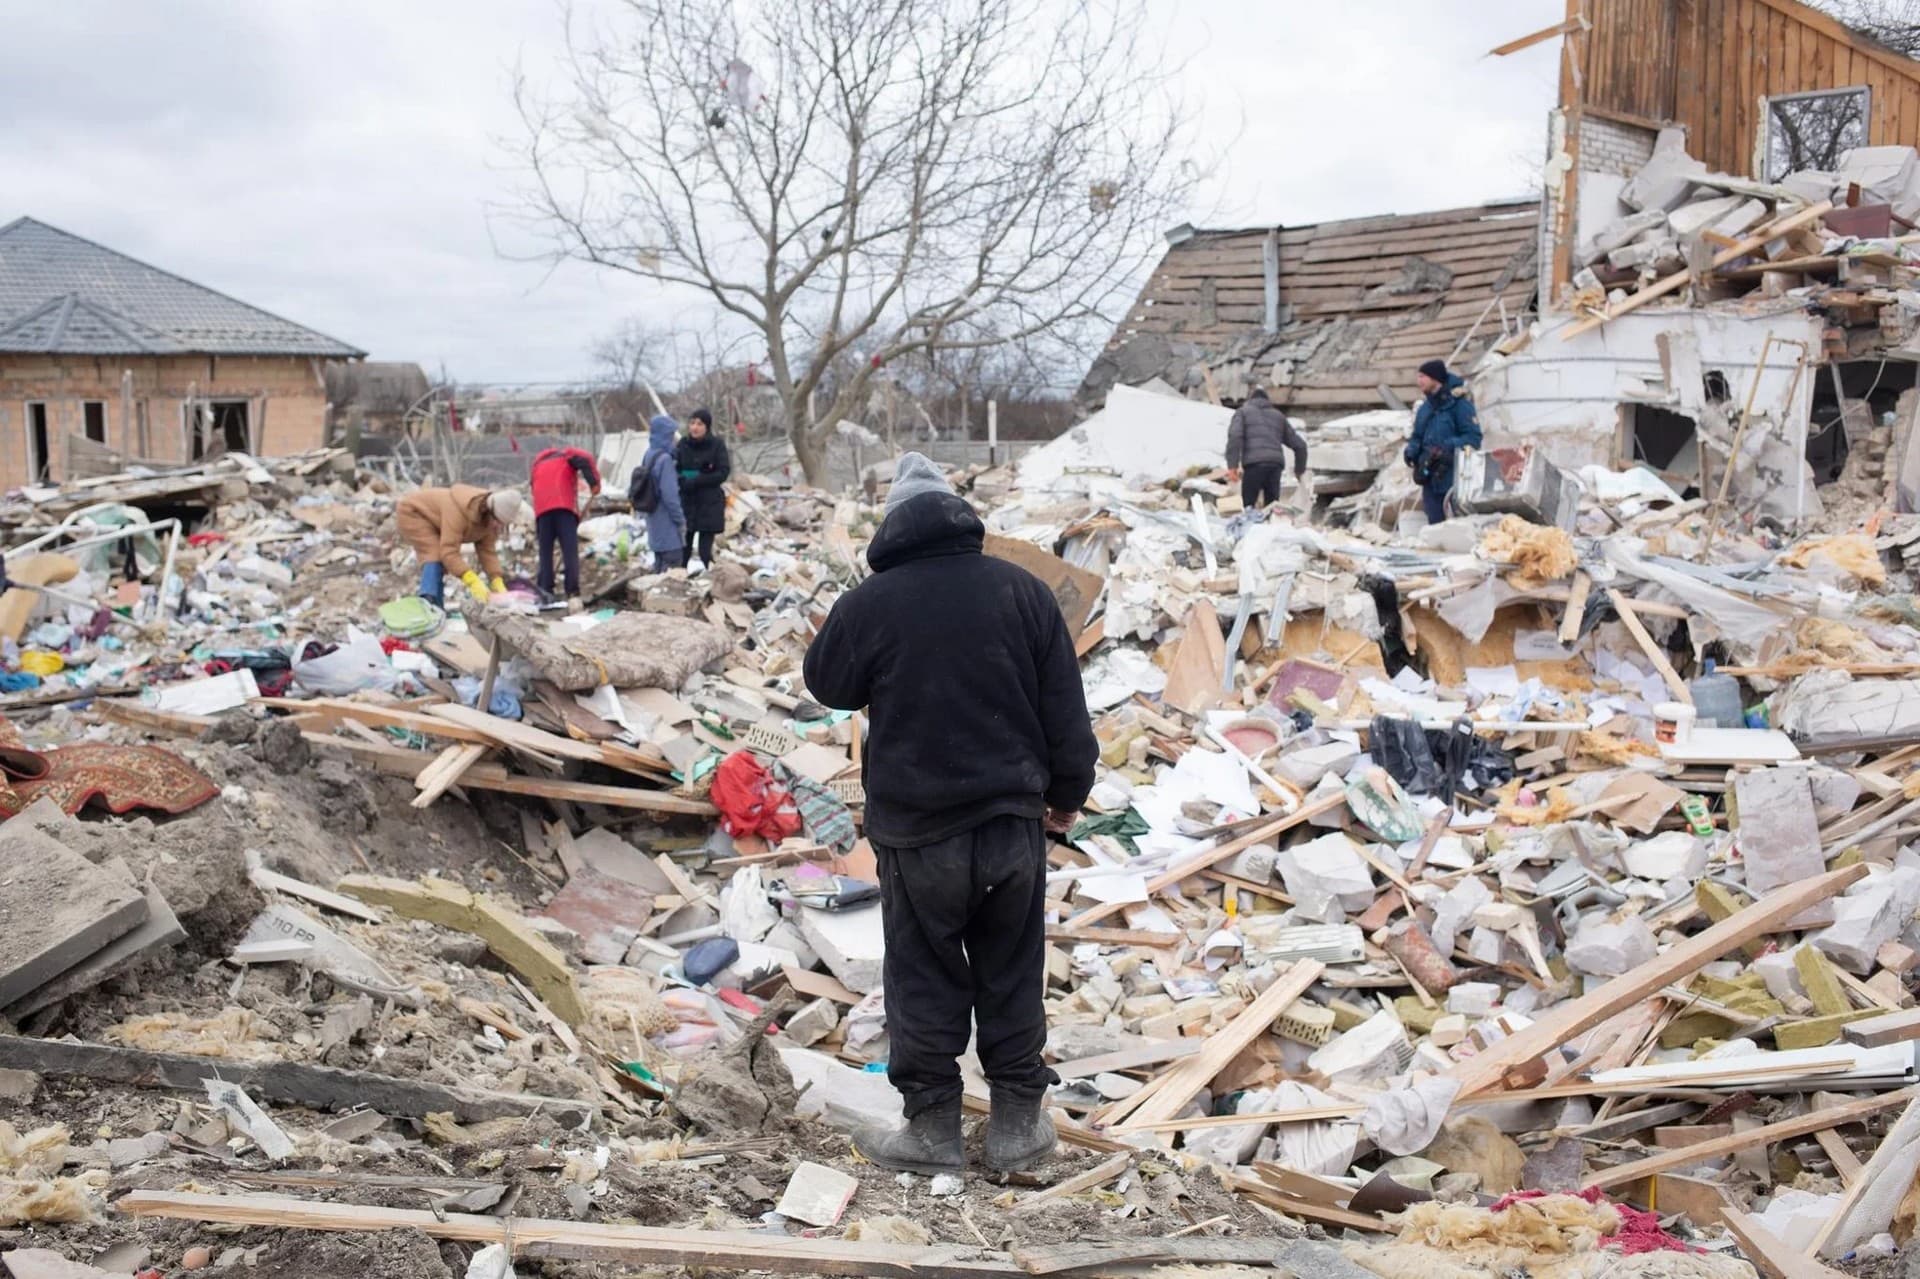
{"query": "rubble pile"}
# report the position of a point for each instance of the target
(1530, 891)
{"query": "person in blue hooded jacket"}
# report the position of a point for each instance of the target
(1444, 422)
(654, 491)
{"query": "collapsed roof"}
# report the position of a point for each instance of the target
(1352, 305)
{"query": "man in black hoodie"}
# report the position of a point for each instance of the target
(978, 743)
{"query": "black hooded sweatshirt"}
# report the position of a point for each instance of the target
(968, 675)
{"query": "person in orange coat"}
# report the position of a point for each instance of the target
(438, 522)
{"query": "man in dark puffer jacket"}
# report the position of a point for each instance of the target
(978, 743)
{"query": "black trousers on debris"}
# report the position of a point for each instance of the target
(562, 529)
(965, 922)
(1259, 484)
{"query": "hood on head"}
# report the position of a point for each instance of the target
(914, 475)
(661, 430)
(932, 525)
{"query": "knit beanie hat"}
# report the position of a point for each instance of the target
(505, 504)
(1435, 369)
(915, 474)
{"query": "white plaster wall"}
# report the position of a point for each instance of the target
(1564, 396)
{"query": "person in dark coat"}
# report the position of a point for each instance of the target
(701, 459)
(978, 745)
(1258, 440)
(1444, 423)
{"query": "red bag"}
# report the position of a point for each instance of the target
(751, 802)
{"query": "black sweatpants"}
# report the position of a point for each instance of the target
(700, 547)
(965, 922)
(1259, 484)
(562, 527)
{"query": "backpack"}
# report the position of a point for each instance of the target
(643, 487)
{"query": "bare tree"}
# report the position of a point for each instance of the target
(1894, 23)
(854, 181)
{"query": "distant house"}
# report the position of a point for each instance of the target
(104, 358)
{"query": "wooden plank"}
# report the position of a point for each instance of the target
(380, 717)
(507, 732)
(1576, 607)
(1107, 1255)
(398, 759)
(1562, 1022)
(1261, 1192)
(1661, 288)
(322, 1088)
(1889, 1028)
(158, 721)
(1771, 1255)
(273, 881)
(1845, 1163)
(1151, 1053)
(1766, 1134)
(504, 929)
(1098, 1175)
(445, 773)
(1115, 936)
(820, 986)
(1178, 1086)
(1538, 37)
(1631, 620)
(587, 1241)
(1301, 1185)
(1193, 866)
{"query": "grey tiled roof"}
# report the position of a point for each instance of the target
(60, 294)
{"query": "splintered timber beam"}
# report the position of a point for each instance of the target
(1831, 1117)
(588, 1241)
(1489, 1069)
(287, 1082)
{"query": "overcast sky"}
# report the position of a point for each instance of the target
(336, 163)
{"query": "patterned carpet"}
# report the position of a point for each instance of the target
(118, 778)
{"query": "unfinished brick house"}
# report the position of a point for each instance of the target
(106, 360)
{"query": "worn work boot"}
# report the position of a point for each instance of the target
(930, 1144)
(1019, 1133)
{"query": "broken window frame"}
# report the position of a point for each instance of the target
(1770, 118)
(39, 442)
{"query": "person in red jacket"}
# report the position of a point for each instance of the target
(557, 474)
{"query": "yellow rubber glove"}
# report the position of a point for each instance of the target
(475, 586)
(499, 587)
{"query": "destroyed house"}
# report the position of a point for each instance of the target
(1727, 182)
(1324, 315)
(105, 360)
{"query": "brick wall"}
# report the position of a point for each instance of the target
(1607, 146)
(286, 403)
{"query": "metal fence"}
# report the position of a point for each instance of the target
(491, 460)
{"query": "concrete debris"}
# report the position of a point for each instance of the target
(1580, 823)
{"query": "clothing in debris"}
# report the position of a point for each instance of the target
(973, 692)
(1261, 435)
(556, 476)
(965, 926)
(667, 521)
(437, 522)
(702, 465)
(1444, 423)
